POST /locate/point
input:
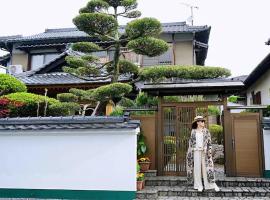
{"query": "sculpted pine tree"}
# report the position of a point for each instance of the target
(99, 19)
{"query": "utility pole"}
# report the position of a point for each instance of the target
(191, 9)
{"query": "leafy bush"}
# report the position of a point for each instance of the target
(141, 145)
(233, 99)
(67, 97)
(217, 133)
(143, 99)
(34, 105)
(9, 84)
(185, 72)
(7, 105)
(117, 111)
(213, 110)
(63, 109)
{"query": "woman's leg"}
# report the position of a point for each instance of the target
(207, 185)
(198, 170)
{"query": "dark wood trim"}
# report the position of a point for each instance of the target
(159, 160)
(29, 61)
(197, 103)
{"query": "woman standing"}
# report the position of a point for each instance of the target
(199, 157)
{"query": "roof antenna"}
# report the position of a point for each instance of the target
(191, 18)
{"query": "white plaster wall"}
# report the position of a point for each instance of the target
(3, 70)
(88, 160)
(266, 138)
(263, 85)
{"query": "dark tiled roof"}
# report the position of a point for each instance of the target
(239, 78)
(176, 86)
(66, 123)
(61, 78)
(260, 70)
(174, 27)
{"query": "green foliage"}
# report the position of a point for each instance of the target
(143, 99)
(126, 103)
(143, 28)
(96, 23)
(213, 110)
(117, 111)
(148, 46)
(141, 145)
(186, 72)
(85, 47)
(80, 66)
(185, 98)
(217, 133)
(109, 92)
(125, 67)
(75, 62)
(33, 104)
(170, 144)
(63, 109)
(67, 97)
(233, 99)
(94, 6)
(90, 58)
(9, 84)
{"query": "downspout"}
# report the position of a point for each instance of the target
(173, 49)
(193, 49)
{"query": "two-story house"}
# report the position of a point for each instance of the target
(42, 56)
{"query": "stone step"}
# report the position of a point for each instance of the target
(222, 182)
(163, 191)
(150, 173)
(210, 198)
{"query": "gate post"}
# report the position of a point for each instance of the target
(228, 140)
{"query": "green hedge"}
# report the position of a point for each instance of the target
(9, 84)
(186, 72)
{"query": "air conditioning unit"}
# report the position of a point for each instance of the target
(15, 69)
(3, 70)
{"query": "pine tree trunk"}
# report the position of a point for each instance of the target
(116, 53)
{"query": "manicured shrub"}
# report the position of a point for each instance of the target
(125, 67)
(9, 84)
(143, 28)
(34, 105)
(148, 46)
(63, 109)
(109, 92)
(216, 133)
(67, 97)
(185, 72)
(233, 99)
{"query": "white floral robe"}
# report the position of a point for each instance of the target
(207, 146)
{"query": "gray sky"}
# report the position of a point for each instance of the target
(239, 27)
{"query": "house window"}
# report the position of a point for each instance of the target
(164, 59)
(41, 59)
(256, 98)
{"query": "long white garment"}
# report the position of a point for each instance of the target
(199, 165)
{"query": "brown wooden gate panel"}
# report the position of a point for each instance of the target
(246, 144)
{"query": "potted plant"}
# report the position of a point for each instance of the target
(144, 163)
(140, 181)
